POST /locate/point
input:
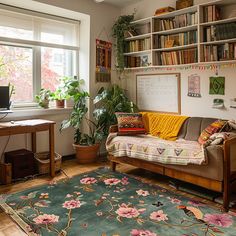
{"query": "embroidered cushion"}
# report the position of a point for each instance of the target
(215, 127)
(130, 124)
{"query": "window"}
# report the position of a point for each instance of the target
(36, 50)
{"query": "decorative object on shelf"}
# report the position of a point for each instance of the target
(43, 98)
(217, 85)
(194, 86)
(163, 10)
(122, 24)
(89, 140)
(103, 61)
(233, 103)
(180, 4)
(218, 103)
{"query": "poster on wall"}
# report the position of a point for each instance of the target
(103, 61)
(194, 86)
(217, 85)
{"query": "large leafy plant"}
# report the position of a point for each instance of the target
(122, 24)
(109, 101)
(78, 114)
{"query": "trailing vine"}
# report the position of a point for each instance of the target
(122, 24)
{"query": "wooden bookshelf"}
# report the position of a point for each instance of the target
(175, 27)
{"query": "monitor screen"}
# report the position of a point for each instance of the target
(4, 97)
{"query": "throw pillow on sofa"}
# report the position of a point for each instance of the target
(130, 123)
(215, 127)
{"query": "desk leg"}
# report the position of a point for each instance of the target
(51, 150)
(33, 142)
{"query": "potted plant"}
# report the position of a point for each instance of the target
(43, 98)
(59, 96)
(85, 144)
(109, 101)
(122, 25)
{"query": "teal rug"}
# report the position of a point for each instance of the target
(105, 203)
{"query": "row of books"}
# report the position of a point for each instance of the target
(176, 22)
(222, 52)
(211, 13)
(179, 57)
(220, 32)
(139, 61)
(138, 45)
(180, 39)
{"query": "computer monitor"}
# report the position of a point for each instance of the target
(4, 98)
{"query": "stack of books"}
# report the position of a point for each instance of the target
(179, 21)
(211, 13)
(138, 45)
(180, 39)
(179, 57)
(220, 32)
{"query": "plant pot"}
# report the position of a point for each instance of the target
(86, 154)
(60, 103)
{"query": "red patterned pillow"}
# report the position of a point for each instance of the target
(215, 127)
(130, 123)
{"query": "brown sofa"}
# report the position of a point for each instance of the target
(218, 175)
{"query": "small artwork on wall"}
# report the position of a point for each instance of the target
(194, 86)
(103, 61)
(217, 85)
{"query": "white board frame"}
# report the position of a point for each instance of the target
(177, 84)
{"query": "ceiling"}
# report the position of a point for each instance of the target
(120, 3)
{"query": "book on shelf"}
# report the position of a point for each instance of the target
(220, 32)
(138, 45)
(143, 28)
(221, 52)
(137, 61)
(179, 57)
(180, 39)
(211, 13)
(179, 21)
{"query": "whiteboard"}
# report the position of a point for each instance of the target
(159, 92)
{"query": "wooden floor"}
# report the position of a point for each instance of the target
(71, 168)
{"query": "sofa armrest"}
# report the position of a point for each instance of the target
(113, 129)
(230, 154)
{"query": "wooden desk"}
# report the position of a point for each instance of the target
(32, 126)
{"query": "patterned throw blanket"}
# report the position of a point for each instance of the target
(149, 148)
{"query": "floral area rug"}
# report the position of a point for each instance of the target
(105, 203)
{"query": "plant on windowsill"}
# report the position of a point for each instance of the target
(109, 101)
(59, 96)
(122, 25)
(43, 98)
(85, 144)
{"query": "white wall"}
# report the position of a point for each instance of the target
(190, 106)
(96, 19)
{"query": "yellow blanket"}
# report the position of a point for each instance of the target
(165, 126)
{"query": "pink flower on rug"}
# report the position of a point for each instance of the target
(141, 232)
(175, 201)
(46, 219)
(127, 212)
(124, 180)
(222, 220)
(24, 197)
(72, 204)
(158, 216)
(77, 193)
(143, 193)
(69, 195)
(88, 180)
(112, 181)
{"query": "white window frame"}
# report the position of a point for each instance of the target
(36, 47)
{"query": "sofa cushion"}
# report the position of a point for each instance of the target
(130, 123)
(213, 128)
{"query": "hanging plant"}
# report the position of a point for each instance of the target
(122, 24)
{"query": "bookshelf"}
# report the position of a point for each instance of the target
(201, 34)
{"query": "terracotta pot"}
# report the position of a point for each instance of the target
(60, 103)
(86, 154)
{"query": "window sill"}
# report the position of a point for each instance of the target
(35, 112)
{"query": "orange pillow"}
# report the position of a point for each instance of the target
(130, 123)
(215, 127)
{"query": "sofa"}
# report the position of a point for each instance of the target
(218, 174)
